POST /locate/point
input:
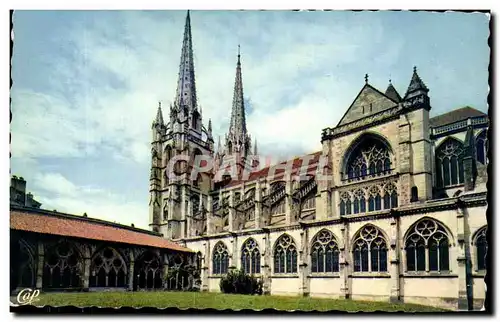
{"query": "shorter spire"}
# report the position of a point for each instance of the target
(416, 84)
(219, 146)
(392, 93)
(255, 147)
(159, 116)
(209, 128)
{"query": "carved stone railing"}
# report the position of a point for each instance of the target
(329, 133)
(478, 120)
(199, 141)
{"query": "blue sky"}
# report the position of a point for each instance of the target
(86, 86)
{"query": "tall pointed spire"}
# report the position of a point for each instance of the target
(238, 125)
(186, 88)
(255, 147)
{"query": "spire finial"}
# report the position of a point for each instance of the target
(239, 54)
(366, 78)
(414, 69)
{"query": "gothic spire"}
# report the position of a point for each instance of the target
(219, 149)
(238, 125)
(186, 88)
(392, 93)
(416, 84)
(159, 116)
(210, 129)
(255, 148)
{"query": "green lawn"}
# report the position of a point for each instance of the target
(218, 301)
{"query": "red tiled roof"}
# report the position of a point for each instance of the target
(279, 174)
(45, 222)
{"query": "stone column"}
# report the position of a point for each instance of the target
(205, 266)
(345, 270)
(184, 209)
(461, 261)
(86, 272)
(131, 274)
(258, 204)
(210, 216)
(41, 262)
(266, 263)
(303, 261)
(405, 160)
(323, 180)
(231, 211)
(288, 202)
(234, 252)
(394, 260)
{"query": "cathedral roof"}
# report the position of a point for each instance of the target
(455, 116)
(279, 174)
(54, 223)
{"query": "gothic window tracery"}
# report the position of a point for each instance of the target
(371, 157)
(63, 267)
(374, 199)
(149, 270)
(481, 249)
(220, 259)
(250, 257)
(285, 255)
(481, 147)
(324, 253)
(449, 166)
(23, 266)
(370, 250)
(427, 247)
(359, 201)
(390, 196)
(345, 203)
(108, 269)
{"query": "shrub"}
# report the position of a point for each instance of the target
(238, 282)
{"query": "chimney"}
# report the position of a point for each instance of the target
(19, 184)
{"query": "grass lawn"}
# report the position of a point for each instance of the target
(218, 301)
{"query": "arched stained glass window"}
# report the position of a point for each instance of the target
(427, 247)
(481, 249)
(370, 157)
(481, 147)
(220, 259)
(285, 255)
(359, 201)
(250, 257)
(324, 253)
(370, 250)
(449, 166)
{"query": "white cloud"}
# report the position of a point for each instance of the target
(58, 193)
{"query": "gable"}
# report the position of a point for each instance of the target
(369, 101)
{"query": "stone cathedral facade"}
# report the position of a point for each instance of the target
(392, 208)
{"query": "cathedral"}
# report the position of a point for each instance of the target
(392, 208)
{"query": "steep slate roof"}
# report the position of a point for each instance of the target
(47, 222)
(392, 93)
(455, 116)
(280, 173)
